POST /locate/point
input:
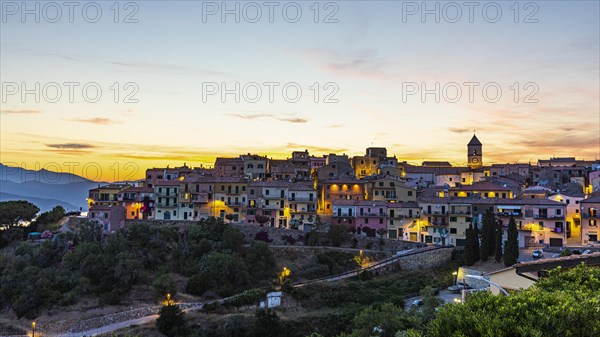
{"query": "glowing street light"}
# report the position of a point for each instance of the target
(169, 300)
(33, 329)
(285, 274)
(455, 273)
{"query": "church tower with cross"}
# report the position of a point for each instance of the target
(474, 153)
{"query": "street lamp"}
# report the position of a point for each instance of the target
(32, 329)
(169, 301)
(455, 273)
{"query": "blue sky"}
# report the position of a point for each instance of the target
(370, 55)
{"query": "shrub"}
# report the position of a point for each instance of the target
(171, 322)
(338, 234)
(262, 236)
(163, 284)
(198, 284)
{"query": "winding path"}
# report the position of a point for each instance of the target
(144, 315)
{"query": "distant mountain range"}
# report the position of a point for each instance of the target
(45, 188)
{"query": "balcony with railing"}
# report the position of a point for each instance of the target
(372, 215)
(434, 212)
(165, 193)
(200, 198)
(302, 199)
(271, 197)
(343, 214)
(438, 223)
(165, 205)
(185, 197)
(548, 216)
(235, 203)
(594, 215)
(304, 210)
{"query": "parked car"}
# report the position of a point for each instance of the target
(586, 252)
(456, 289)
(555, 255)
(416, 303)
(538, 253)
(576, 251)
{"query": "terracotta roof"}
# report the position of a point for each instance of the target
(228, 161)
(489, 201)
(167, 183)
(557, 259)
(301, 188)
(481, 186)
(102, 207)
(138, 189)
(405, 204)
(274, 183)
(594, 199)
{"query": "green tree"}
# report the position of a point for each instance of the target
(48, 219)
(223, 273)
(268, 323)
(430, 303)
(383, 321)
(337, 235)
(13, 212)
(476, 242)
(470, 255)
(563, 304)
(511, 248)
(488, 235)
(171, 321)
(233, 239)
(163, 284)
(89, 231)
(499, 233)
(259, 261)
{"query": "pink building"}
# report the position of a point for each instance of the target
(361, 216)
(111, 217)
(371, 217)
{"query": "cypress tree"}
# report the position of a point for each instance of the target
(485, 249)
(491, 233)
(498, 255)
(476, 242)
(511, 249)
(469, 247)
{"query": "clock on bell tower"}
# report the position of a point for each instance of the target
(474, 153)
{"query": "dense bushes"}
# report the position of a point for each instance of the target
(564, 304)
(60, 271)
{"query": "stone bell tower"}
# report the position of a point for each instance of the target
(474, 153)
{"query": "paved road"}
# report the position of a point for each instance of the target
(445, 295)
(195, 306)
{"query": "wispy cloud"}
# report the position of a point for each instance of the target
(312, 148)
(74, 146)
(97, 120)
(459, 130)
(363, 63)
(284, 118)
(21, 112)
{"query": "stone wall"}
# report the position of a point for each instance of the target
(283, 236)
(427, 259)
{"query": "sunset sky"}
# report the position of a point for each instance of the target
(370, 55)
